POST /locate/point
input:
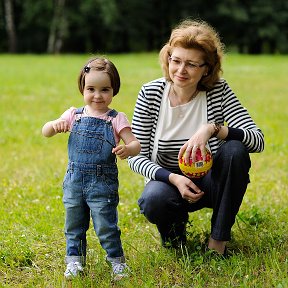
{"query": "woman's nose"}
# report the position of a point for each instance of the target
(182, 67)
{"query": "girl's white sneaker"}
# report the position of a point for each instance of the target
(73, 269)
(119, 270)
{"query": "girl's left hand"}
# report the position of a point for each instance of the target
(197, 141)
(121, 151)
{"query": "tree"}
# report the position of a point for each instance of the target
(58, 28)
(10, 26)
(114, 26)
(33, 21)
(262, 26)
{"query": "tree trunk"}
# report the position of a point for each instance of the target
(57, 28)
(10, 26)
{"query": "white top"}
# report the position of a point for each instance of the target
(169, 135)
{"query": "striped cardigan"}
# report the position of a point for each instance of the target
(222, 107)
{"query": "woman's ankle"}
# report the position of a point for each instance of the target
(217, 245)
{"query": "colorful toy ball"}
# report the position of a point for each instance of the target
(198, 169)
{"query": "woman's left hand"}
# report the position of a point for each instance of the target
(187, 188)
(197, 141)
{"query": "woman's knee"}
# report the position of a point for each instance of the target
(232, 156)
(153, 201)
(236, 150)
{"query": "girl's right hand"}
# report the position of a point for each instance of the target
(60, 126)
(188, 190)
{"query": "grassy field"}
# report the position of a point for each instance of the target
(35, 89)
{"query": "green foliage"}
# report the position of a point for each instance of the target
(127, 25)
(254, 25)
(36, 89)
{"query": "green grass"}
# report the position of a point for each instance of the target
(35, 89)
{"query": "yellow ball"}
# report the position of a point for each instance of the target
(199, 168)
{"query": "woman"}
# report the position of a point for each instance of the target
(189, 109)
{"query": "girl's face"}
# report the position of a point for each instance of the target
(98, 92)
(186, 67)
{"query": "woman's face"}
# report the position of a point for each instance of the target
(187, 67)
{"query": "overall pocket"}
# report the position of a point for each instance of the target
(89, 141)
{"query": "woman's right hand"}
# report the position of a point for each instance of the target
(188, 190)
(197, 141)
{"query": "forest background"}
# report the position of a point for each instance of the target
(121, 26)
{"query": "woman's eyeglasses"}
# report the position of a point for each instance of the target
(176, 62)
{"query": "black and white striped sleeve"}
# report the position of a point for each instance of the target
(144, 123)
(227, 108)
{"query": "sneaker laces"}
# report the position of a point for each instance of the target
(119, 270)
(72, 269)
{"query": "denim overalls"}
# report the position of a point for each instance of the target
(91, 185)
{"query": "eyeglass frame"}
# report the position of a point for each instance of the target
(187, 64)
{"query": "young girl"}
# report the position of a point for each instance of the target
(91, 181)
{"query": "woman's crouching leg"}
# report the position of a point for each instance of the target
(229, 179)
(163, 205)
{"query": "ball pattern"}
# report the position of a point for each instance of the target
(198, 169)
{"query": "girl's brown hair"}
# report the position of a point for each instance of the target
(100, 64)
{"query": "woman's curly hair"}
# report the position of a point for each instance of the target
(196, 34)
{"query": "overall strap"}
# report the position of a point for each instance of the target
(79, 110)
(113, 113)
